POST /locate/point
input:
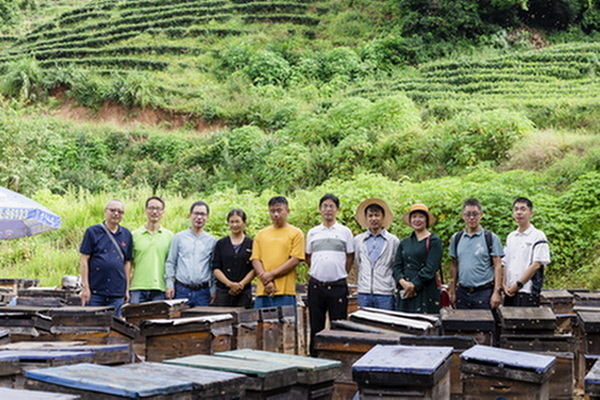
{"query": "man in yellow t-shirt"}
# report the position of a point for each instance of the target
(276, 252)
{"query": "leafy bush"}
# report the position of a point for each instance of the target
(268, 68)
(488, 136)
(22, 79)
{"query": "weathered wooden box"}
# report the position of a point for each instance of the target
(138, 313)
(413, 324)
(21, 394)
(539, 343)
(347, 347)
(24, 322)
(562, 381)
(207, 384)
(524, 320)
(489, 373)
(315, 376)
(46, 297)
(478, 324)
(559, 300)
(92, 381)
(244, 324)
(263, 379)
(589, 299)
(113, 354)
(458, 344)
(592, 382)
(269, 335)
(172, 338)
(404, 371)
(289, 330)
(589, 322)
(346, 325)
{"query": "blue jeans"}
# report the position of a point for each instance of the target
(476, 300)
(200, 297)
(98, 300)
(275, 301)
(142, 296)
(376, 301)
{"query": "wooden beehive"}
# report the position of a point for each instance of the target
(478, 324)
(402, 371)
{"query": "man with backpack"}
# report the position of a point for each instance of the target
(527, 253)
(476, 270)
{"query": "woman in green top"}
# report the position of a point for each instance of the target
(418, 260)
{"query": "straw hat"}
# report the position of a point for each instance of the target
(422, 208)
(362, 219)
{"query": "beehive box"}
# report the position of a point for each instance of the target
(410, 324)
(21, 394)
(478, 324)
(592, 382)
(527, 320)
(206, 384)
(489, 373)
(245, 323)
(403, 371)
(559, 300)
(264, 380)
(137, 313)
(172, 338)
(315, 376)
(98, 382)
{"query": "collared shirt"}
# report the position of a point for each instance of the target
(190, 259)
(328, 248)
(150, 251)
(519, 255)
(474, 261)
(106, 266)
(375, 243)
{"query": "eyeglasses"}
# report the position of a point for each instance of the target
(115, 211)
(199, 214)
(157, 209)
(471, 214)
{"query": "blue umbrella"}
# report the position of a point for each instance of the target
(20, 216)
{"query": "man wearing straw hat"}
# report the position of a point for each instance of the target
(375, 251)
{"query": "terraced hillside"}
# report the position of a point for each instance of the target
(562, 76)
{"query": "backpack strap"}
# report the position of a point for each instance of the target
(537, 280)
(488, 242)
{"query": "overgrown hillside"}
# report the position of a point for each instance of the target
(435, 101)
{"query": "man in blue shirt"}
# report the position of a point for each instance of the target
(476, 270)
(188, 268)
(106, 253)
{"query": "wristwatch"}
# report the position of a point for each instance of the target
(520, 284)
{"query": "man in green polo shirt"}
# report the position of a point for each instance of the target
(151, 244)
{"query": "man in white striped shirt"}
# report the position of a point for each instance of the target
(329, 254)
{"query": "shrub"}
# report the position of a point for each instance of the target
(268, 68)
(23, 79)
(488, 136)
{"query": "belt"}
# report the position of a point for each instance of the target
(472, 289)
(203, 285)
(339, 282)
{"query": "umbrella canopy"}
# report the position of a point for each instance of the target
(20, 216)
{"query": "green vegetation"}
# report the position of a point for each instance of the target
(409, 100)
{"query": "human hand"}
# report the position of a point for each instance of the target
(511, 290)
(85, 296)
(270, 288)
(496, 299)
(170, 293)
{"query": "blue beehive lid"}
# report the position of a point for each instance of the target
(510, 364)
(108, 380)
(398, 365)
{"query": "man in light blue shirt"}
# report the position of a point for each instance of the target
(188, 268)
(476, 272)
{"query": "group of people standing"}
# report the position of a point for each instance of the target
(152, 263)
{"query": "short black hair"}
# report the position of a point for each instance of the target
(523, 200)
(199, 203)
(373, 208)
(278, 200)
(472, 202)
(331, 197)
(149, 199)
(237, 211)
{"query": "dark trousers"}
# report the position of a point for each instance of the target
(323, 298)
(224, 299)
(522, 300)
(473, 300)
